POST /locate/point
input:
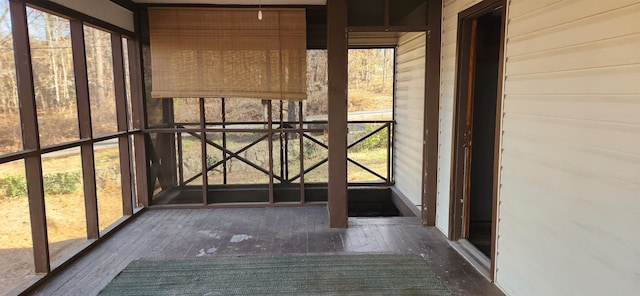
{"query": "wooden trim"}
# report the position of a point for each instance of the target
(463, 54)
(480, 8)
(196, 5)
(65, 12)
(404, 204)
(468, 125)
(242, 205)
(387, 12)
(460, 110)
(431, 115)
(128, 4)
(337, 57)
(401, 29)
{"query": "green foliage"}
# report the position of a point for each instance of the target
(13, 186)
(211, 160)
(311, 149)
(377, 140)
(61, 183)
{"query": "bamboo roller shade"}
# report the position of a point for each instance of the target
(214, 52)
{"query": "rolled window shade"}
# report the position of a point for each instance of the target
(218, 52)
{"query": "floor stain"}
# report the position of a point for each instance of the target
(210, 233)
(239, 238)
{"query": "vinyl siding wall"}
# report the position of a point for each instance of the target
(570, 180)
(569, 190)
(409, 106)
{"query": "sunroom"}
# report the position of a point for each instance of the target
(493, 138)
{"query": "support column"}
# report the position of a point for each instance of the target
(431, 115)
(30, 138)
(121, 107)
(337, 57)
(84, 119)
(139, 121)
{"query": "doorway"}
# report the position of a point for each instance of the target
(477, 119)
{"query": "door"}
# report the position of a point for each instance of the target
(476, 139)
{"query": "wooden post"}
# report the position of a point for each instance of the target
(431, 115)
(84, 124)
(121, 107)
(139, 121)
(337, 57)
(30, 139)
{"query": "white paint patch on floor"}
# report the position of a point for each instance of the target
(239, 238)
(202, 252)
(210, 233)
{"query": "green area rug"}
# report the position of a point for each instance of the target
(283, 275)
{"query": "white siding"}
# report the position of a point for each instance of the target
(104, 10)
(409, 108)
(450, 12)
(570, 179)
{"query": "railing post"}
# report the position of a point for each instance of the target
(389, 160)
(270, 133)
(301, 138)
(224, 141)
(203, 144)
(180, 161)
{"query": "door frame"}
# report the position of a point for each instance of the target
(458, 179)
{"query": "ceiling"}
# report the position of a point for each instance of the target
(237, 2)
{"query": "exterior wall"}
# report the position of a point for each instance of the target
(570, 163)
(409, 106)
(104, 10)
(570, 179)
(450, 12)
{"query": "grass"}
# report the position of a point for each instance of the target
(64, 199)
(371, 153)
(375, 159)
